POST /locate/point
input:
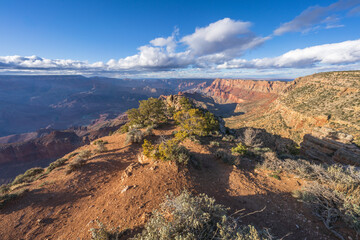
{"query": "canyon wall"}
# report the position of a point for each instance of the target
(239, 91)
(294, 108)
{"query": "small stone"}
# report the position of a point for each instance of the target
(125, 189)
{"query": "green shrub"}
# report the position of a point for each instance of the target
(214, 144)
(102, 233)
(124, 128)
(58, 163)
(150, 112)
(149, 130)
(228, 138)
(4, 199)
(194, 139)
(196, 122)
(260, 150)
(226, 157)
(4, 188)
(148, 148)
(240, 149)
(73, 154)
(100, 141)
(275, 175)
(250, 137)
(294, 149)
(85, 154)
(185, 103)
(29, 176)
(334, 194)
(169, 150)
(196, 217)
(76, 164)
(100, 147)
(134, 136)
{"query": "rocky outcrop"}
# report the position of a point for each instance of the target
(53, 145)
(173, 101)
(329, 99)
(238, 91)
(327, 145)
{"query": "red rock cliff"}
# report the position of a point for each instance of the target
(238, 91)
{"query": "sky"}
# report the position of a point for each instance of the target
(179, 39)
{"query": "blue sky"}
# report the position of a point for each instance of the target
(130, 38)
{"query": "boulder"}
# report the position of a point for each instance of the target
(329, 146)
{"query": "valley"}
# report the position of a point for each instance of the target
(256, 147)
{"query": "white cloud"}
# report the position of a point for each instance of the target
(326, 55)
(316, 16)
(212, 48)
(227, 37)
(35, 62)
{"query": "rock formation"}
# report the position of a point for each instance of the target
(330, 99)
(51, 146)
(327, 145)
(239, 91)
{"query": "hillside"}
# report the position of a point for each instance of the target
(172, 151)
(174, 148)
(326, 99)
(239, 91)
(114, 188)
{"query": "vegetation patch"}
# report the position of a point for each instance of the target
(58, 163)
(150, 112)
(79, 161)
(76, 164)
(196, 122)
(334, 193)
(240, 149)
(226, 157)
(228, 138)
(102, 233)
(196, 217)
(73, 154)
(214, 144)
(275, 175)
(6, 198)
(29, 176)
(100, 147)
(100, 141)
(167, 150)
(134, 136)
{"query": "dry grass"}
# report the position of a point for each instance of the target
(134, 136)
(334, 193)
(29, 176)
(76, 164)
(197, 217)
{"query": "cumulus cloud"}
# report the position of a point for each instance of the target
(207, 46)
(316, 16)
(211, 48)
(215, 43)
(326, 55)
(35, 62)
(226, 36)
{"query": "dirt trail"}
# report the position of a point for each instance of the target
(62, 206)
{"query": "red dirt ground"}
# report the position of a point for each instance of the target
(65, 206)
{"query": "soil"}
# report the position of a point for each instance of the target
(115, 189)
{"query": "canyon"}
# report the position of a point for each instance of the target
(288, 130)
(89, 108)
